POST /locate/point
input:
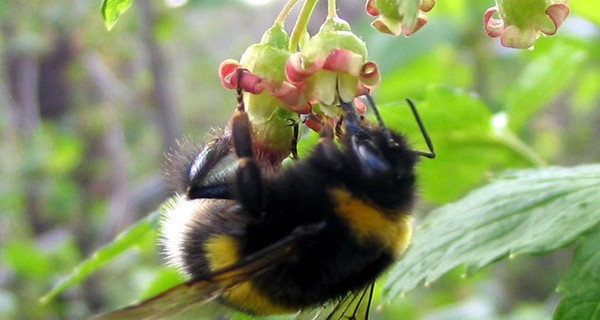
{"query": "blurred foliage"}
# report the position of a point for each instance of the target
(84, 136)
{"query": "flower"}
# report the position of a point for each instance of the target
(265, 62)
(332, 64)
(395, 16)
(522, 21)
(272, 103)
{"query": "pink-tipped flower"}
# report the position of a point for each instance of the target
(271, 101)
(522, 21)
(265, 79)
(399, 16)
(332, 63)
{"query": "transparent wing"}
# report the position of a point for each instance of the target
(174, 304)
(199, 299)
(355, 306)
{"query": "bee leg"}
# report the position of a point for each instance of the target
(326, 146)
(294, 144)
(248, 181)
(210, 156)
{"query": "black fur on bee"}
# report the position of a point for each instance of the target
(270, 241)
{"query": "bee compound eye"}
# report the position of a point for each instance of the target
(369, 156)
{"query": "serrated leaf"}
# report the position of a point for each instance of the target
(525, 212)
(112, 9)
(127, 239)
(581, 283)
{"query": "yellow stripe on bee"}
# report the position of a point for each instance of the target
(369, 223)
(247, 297)
(223, 251)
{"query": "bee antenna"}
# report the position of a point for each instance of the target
(386, 131)
(431, 153)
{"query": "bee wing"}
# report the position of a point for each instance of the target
(355, 306)
(173, 303)
(200, 295)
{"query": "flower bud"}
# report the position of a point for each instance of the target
(396, 16)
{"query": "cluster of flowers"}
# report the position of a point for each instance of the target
(282, 82)
(331, 64)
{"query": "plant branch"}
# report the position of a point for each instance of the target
(301, 24)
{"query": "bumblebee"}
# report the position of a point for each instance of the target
(309, 239)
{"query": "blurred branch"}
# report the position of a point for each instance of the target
(169, 119)
(23, 74)
(149, 194)
(108, 84)
(26, 92)
(9, 105)
(120, 208)
(112, 92)
(126, 203)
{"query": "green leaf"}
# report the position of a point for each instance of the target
(27, 259)
(581, 282)
(525, 212)
(587, 9)
(543, 79)
(460, 127)
(112, 9)
(127, 239)
(162, 280)
(412, 72)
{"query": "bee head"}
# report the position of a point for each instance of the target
(380, 163)
(378, 150)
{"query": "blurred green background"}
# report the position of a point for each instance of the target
(86, 116)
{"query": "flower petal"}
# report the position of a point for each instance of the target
(324, 87)
(292, 97)
(514, 38)
(421, 21)
(386, 25)
(493, 27)
(372, 8)
(345, 61)
(250, 82)
(361, 107)
(369, 75)
(227, 69)
(558, 13)
(427, 5)
(295, 68)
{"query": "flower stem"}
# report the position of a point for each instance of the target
(301, 24)
(285, 12)
(520, 149)
(331, 9)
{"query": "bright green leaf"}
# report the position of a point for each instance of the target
(127, 239)
(27, 259)
(163, 279)
(112, 9)
(525, 212)
(542, 80)
(412, 78)
(581, 282)
(587, 9)
(460, 126)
